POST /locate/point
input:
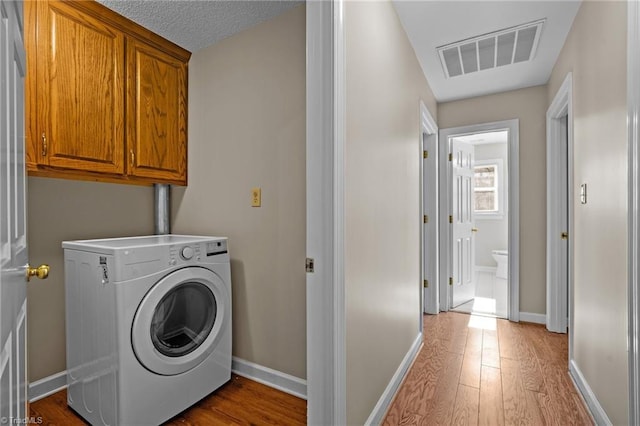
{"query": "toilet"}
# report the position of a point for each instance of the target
(502, 258)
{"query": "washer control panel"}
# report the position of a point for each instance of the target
(216, 247)
(187, 253)
(190, 253)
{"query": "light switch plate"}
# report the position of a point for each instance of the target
(583, 193)
(256, 197)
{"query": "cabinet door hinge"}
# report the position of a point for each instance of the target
(450, 157)
(425, 154)
(309, 264)
(450, 280)
(425, 283)
(425, 219)
(450, 219)
(44, 144)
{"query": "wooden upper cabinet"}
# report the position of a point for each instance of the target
(80, 91)
(106, 98)
(156, 113)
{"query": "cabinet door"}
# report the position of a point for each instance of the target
(80, 91)
(156, 114)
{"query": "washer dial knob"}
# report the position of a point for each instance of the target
(186, 253)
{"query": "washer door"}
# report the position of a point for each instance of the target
(180, 321)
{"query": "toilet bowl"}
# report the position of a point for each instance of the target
(502, 259)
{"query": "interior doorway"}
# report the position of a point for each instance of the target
(560, 209)
(479, 232)
(429, 192)
(483, 285)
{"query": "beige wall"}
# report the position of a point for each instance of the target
(595, 51)
(60, 210)
(247, 129)
(529, 106)
(384, 84)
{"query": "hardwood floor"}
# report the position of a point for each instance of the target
(484, 371)
(240, 402)
(471, 370)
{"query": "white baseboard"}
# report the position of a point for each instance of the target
(377, 415)
(597, 412)
(267, 376)
(534, 318)
(47, 386)
(273, 378)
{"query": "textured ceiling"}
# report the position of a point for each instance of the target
(430, 24)
(195, 24)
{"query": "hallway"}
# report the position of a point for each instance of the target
(487, 371)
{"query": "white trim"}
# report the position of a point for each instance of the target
(339, 140)
(595, 409)
(532, 317)
(267, 376)
(633, 112)
(377, 415)
(47, 386)
(325, 139)
(428, 267)
(513, 183)
(489, 269)
(559, 279)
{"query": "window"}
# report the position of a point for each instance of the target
(488, 197)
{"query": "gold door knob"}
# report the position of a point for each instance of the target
(41, 272)
(474, 229)
(564, 235)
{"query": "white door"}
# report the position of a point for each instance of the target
(13, 241)
(462, 244)
(430, 223)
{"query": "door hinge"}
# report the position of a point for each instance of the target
(450, 280)
(425, 154)
(425, 219)
(309, 264)
(450, 219)
(425, 283)
(44, 144)
(450, 157)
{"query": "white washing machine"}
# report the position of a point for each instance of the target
(148, 326)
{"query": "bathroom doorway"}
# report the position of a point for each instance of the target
(489, 240)
(479, 233)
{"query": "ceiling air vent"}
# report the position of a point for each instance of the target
(504, 47)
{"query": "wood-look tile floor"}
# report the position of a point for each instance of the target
(478, 370)
(239, 402)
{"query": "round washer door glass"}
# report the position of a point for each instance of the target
(183, 319)
(180, 321)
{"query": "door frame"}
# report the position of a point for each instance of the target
(325, 146)
(633, 134)
(429, 303)
(513, 305)
(559, 287)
